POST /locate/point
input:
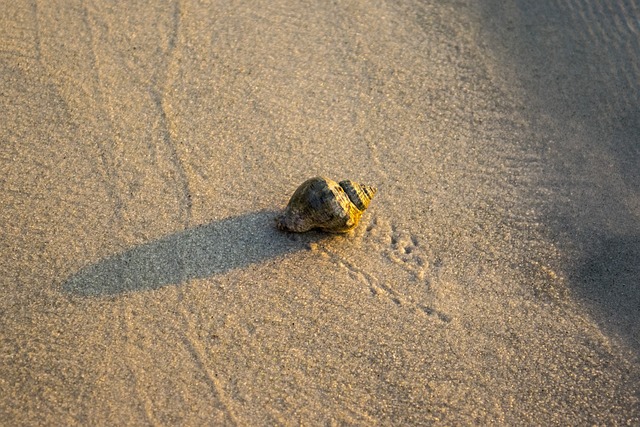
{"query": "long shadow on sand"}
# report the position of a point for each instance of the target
(199, 252)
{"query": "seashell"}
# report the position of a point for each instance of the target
(326, 205)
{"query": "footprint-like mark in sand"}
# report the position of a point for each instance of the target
(430, 311)
(407, 252)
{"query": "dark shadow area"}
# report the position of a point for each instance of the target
(199, 252)
(577, 62)
(609, 281)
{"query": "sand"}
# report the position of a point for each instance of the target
(147, 147)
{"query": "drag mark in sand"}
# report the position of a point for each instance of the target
(167, 126)
(198, 355)
(108, 161)
(127, 317)
(170, 144)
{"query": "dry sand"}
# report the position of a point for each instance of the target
(146, 147)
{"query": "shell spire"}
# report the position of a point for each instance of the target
(326, 205)
(359, 194)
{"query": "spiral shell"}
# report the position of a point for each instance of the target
(326, 205)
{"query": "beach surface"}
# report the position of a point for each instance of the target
(146, 148)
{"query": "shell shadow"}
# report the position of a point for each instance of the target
(199, 252)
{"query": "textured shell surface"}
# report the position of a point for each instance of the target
(321, 203)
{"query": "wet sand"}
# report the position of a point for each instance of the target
(147, 148)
